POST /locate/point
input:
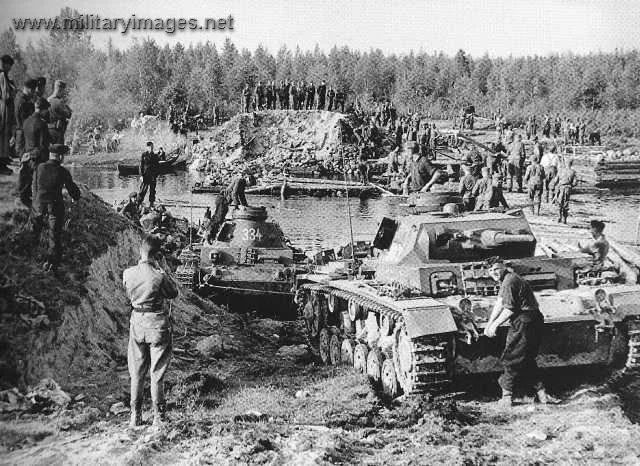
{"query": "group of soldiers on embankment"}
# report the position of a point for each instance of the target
(293, 95)
(32, 131)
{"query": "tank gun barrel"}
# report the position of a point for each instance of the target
(493, 238)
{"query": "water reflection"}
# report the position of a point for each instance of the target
(312, 222)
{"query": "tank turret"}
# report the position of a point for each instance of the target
(246, 237)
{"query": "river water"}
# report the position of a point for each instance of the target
(313, 223)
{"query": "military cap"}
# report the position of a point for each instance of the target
(149, 143)
(133, 194)
(42, 81)
(59, 149)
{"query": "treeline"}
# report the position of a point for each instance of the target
(110, 84)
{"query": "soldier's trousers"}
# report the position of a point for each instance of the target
(150, 350)
(53, 213)
(19, 144)
(25, 180)
(520, 352)
(148, 183)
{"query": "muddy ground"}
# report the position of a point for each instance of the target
(244, 390)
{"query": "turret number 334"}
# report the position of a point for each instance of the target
(251, 234)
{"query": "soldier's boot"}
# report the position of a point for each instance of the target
(159, 416)
(506, 401)
(136, 416)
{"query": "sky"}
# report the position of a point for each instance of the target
(499, 28)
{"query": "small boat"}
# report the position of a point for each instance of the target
(202, 188)
(172, 163)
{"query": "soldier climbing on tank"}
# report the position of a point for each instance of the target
(234, 194)
(422, 173)
(517, 304)
(598, 248)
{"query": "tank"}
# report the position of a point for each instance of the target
(250, 266)
(412, 317)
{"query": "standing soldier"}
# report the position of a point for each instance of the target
(564, 183)
(284, 95)
(516, 161)
(302, 95)
(7, 114)
(59, 113)
(36, 150)
(293, 96)
(246, 96)
(331, 95)
(534, 179)
(150, 332)
(148, 174)
(23, 109)
(51, 177)
(259, 96)
(519, 306)
(269, 95)
(322, 92)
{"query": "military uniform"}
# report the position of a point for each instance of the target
(149, 171)
(322, 91)
(51, 177)
(59, 114)
(24, 107)
(566, 179)
(331, 96)
(246, 96)
(150, 331)
(36, 151)
(524, 336)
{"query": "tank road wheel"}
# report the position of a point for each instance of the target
(403, 358)
(335, 345)
(324, 344)
(347, 351)
(374, 365)
(389, 379)
(354, 311)
(360, 355)
(317, 318)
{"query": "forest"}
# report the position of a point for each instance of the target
(110, 83)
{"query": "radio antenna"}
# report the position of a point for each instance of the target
(346, 188)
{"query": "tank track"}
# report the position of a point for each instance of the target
(417, 365)
(633, 355)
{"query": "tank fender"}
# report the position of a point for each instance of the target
(425, 321)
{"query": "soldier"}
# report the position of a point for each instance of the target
(269, 95)
(23, 109)
(293, 96)
(147, 285)
(284, 95)
(50, 178)
(598, 249)
(331, 95)
(7, 95)
(322, 91)
(516, 161)
(36, 150)
(466, 189)
(59, 113)
(41, 86)
(131, 209)
(340, 100)
(232, 195)
(148, 170)
(422, 174)
(549, 162)
(246, 96)
(519, 306)
(564, 182)
(260, 95)
(534, 179)
(302, 95)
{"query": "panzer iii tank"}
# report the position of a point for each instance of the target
(414, 325)
(249, 266)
